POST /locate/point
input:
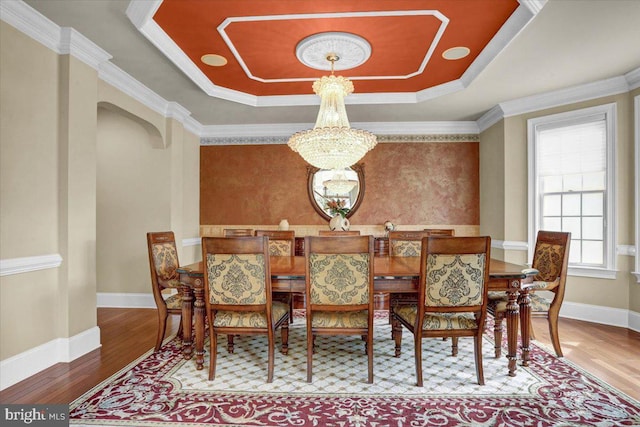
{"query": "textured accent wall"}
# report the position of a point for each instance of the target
(407, 183)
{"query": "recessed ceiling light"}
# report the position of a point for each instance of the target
(456, 52)
(214, 60)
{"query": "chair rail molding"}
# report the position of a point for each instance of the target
(509, 245)
(27, 264)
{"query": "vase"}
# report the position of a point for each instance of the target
(284, 225)
(339, 223)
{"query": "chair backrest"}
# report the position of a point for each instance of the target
(163, 262)
(551, 259)
(406, 243)
(454, 274)
(281, 242)
(339, 273)
(237, 232)
(338, 233)
(440, 231)
(237, 274)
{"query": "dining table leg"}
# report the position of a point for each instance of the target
(525, 323)
(187, 300)
(199, 306)
(512, 328)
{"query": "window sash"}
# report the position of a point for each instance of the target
(582, 170)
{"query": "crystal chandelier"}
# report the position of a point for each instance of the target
(332, 143)
(340, 184)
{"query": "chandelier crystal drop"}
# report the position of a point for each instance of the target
(332, 143)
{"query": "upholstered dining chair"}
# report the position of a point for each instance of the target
(549, 266)
(339, 291)
(163, 263)
(339, 233)
(441, 231)
(452, 297)
(281, 243)
(237, 232)
(238, 294)
(406, 243)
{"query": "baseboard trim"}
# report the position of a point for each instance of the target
(121, 300)
(60, 350)
(600, 314)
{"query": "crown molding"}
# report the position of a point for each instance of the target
(570, 95)
(534, 6)
(24, 18)
(633, 78)
(63, 41)
(68, 41)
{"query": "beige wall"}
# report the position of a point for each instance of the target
(85, 170)
(28, 190)
(510, 136)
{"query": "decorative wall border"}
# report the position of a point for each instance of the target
(265, 140)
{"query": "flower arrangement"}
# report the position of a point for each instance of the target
(337, 206)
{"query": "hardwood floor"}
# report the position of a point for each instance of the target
(610, 353)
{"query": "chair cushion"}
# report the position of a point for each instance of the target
(437, 321)
(174, 302)
(339, 279)
(236, 278)
(250, 319)
(538, 304)
(343, 319)
(406, 247)
(454, 280)
(280, 248)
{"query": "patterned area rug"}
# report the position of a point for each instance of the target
(162, 389)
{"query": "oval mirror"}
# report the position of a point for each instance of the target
(330, 190)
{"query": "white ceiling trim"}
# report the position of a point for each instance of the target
(570, 95)
(444, 21)
(63, 41)
(30, 22)
(141, 12)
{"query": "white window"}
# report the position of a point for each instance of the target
(571, 185)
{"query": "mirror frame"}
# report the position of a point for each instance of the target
(311, 171)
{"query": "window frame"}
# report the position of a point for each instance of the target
(535, 215)
(636, 126)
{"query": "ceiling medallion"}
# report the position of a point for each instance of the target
(352, 50)
(332, 143)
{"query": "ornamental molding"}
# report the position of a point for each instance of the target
(275, 140)
(27, 264)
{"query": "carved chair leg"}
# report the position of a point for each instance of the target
(497, 334)
(454, 346)
(230, 346)
(553, 331)
(396, 333)
(213, 354)
(477, 349)
(162, 325)
(179, 334)
(284, 331)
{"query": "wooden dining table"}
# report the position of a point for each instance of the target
(396, 276)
